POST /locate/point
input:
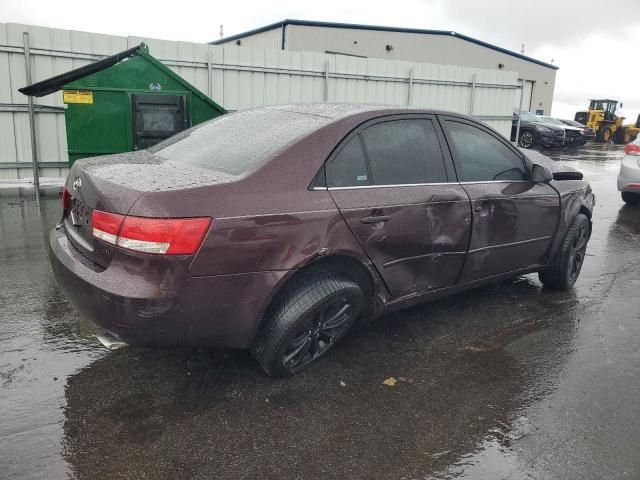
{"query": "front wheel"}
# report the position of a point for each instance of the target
(605, 135)
(565, 269)
(526, 139)
(309, 321)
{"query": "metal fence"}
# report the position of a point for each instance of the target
(235, 77)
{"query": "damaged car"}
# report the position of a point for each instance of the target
(533, 131)
(279, 229)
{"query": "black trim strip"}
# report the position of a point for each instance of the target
(512, 244)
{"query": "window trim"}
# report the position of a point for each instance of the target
(442, 143)
(443, 119)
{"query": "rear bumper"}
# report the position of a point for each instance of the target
(162, 306)
(629, 176)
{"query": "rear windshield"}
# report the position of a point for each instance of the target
(238, 142)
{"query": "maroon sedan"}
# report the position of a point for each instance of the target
(277, 229)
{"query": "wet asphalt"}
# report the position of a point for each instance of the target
(508, 381)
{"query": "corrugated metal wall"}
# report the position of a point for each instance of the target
(235, 77)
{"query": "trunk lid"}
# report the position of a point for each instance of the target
(113, 184)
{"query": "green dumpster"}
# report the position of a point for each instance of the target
(125, 102)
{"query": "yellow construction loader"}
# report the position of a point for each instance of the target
(602, 118)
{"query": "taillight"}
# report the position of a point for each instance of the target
(632, 149)
(170, 236)
(66, 200)
(106, 226)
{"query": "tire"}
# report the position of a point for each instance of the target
(307, 323)
(628, 136)
(526, 139)
(605, 134)
(630, 198)
(566, 266)
(622, 136)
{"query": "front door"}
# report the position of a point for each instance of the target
(156, 117)
(391, 183)
(514, 219)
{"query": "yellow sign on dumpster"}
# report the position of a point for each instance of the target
(77, 96)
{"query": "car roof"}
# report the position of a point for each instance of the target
(337, 111)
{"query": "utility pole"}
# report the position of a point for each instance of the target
(32, 117)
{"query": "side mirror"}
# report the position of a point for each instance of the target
(541, 173)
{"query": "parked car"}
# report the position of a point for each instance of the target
(277, 229)
(533, 131)
(588, 134)
(629, 176)
(572, 135)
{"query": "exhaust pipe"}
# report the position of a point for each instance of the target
(111, 342)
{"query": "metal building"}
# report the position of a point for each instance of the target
(33, 130)
(415, 45)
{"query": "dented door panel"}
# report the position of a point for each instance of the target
(421, 240)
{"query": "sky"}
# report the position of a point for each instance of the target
(597, 52)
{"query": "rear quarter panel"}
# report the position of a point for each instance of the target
(277, 241)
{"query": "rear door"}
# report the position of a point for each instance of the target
(396, 189)
(514, 218)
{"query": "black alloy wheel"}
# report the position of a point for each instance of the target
(526, 139)
(578, 251)
(565, 268)
(309, 320)
(318, 334)
(630, 198)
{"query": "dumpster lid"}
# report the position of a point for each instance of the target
(53, 84)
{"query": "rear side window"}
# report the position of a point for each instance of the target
(404, 152)
(349, 167)
(481, 157)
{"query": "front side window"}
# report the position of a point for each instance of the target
(482, 157)
(404, 152)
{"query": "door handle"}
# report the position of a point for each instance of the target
(375, 219)
(484, 209)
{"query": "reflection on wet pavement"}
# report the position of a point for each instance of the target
(508, 381)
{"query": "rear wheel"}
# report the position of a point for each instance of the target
(526, 139)
(622, 136)
(566, 267)
(631, 198)
(309, 321)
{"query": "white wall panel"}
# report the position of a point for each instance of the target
(267, 39)
(235, 77)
